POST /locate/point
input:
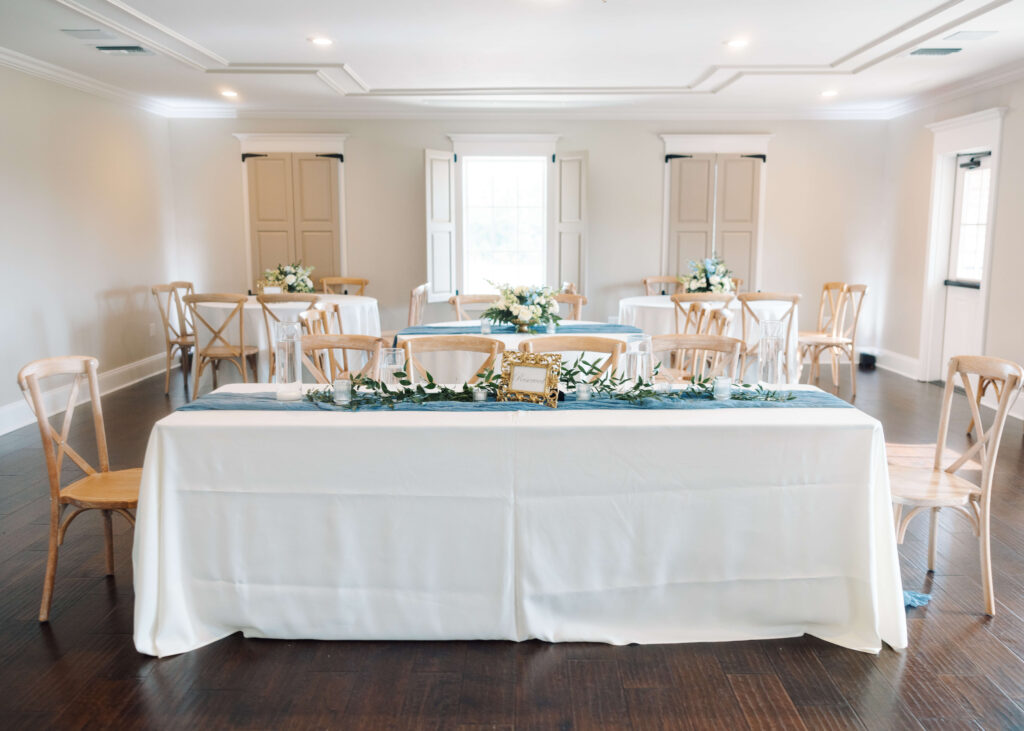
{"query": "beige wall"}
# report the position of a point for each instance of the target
(822, 210)
(908, 180)
(86, 226)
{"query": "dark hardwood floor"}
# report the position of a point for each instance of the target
(962, 670)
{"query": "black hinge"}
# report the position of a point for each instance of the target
(455, 158)
(762, 158)
(247, 155)
(552, 157)
(336, 155)
(676, 157)
(959, 283)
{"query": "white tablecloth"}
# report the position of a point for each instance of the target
(607, 526)
(655, 315)
(459, 367)
(359, 316)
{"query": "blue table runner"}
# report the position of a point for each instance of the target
(267, 401)
(596, 328)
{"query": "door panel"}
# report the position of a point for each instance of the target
(570, 222)
(737, 251)
(440, 210)
(569, 246)
(692, 210)
(317, 230)
(270, 211)
(739, 182)
(272, 248)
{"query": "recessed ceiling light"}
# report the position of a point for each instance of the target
(229, 93)
(829, 93)
(320, 41)
(737, 43)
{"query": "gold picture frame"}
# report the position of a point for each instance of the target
(531, 377)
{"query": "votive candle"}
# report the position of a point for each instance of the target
(479, 394)
(584, 391)
(342, 391)
(722, 388)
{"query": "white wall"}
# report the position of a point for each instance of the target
(823, 200)
(86, 226)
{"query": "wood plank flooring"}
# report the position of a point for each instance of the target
(81, 670)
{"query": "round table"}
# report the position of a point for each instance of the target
(359, 316)
(457, 367)
(655, 315)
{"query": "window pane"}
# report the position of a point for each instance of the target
(505, 229)
(970, 251)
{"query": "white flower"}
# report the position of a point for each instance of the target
(715, 279)
(290, 279)
(692, 284)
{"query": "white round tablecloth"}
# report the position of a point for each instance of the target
(457, 367)
(359, 316)
(655, 315)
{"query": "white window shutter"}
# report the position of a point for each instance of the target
(440, 184)
(567, 258)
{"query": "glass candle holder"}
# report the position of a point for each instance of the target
(550, 328)
(771, 350)
(479, 394)
(722, 389)
(584, 391)
(342, 391)
(392, 360)
(485, 326)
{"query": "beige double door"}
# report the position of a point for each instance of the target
(294, 212)
(714, 203)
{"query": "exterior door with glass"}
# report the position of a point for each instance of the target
(964, 325)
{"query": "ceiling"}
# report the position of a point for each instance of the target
(592, 58)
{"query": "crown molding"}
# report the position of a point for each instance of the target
(995, 114)
(951, 92)
(58, 74)
(314, 142)
(716, 143)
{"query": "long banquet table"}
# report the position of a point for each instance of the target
(645, 526)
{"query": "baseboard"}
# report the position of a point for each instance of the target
(18, 414)
(903, 365)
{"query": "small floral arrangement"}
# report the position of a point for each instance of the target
(290, 277)
(523, 306)
(709, 275)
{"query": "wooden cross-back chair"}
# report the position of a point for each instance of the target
(581, 344)
(218, 348)
(575, 302)
(654, 286)
(697, 314)
(270, 317)
(103, 489)
(839, 339)
(178, 326)
(831, 308)
(414, 347)
(922, 488)
(319, 355)
(417, 303)
(750, 324)
(458, 301)
(697, 356)
(342, 285)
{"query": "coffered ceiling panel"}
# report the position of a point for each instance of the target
(617, 58)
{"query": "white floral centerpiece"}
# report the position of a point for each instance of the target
(708, 275)
(290, 277)
(524, 307)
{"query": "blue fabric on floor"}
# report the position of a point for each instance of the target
(915, 599)
(267, 401)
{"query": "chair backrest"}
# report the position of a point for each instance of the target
(660, 285)
(737, 284)
(319, 355)
(750, 318)
(1007, 377)
(451, 344)
(569, 288)
(315, 321)
(851, 310)
(575, 302)
(703, 356)
(417, 302)
(267, 302)
(458, 301)
(175, 316)
(329, 285)
(217, 334)
(578, 344)
(831, 308)
(55, 444)
(701, 313)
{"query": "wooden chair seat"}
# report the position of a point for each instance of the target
(228, 351)
(922, 456)
(929, 488)
(105, 490)
(813, 338)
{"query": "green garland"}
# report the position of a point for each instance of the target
(368, 392)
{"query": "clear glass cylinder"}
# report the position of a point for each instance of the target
(770, 352)
(639, 358)
(288, 359)
(391, 361)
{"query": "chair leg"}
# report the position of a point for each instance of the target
(853, 375)
(199, 376)
(51, 569)
(186, 365)
(108, 542)
(167, 373)
(835, 369)
(986, 566)
(897, 516)
(933, 538)
(216, 365)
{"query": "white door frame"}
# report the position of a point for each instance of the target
(307, 142)
(752, 144)
(977, 132)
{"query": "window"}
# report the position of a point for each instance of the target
(970, 219)
(504, 235)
